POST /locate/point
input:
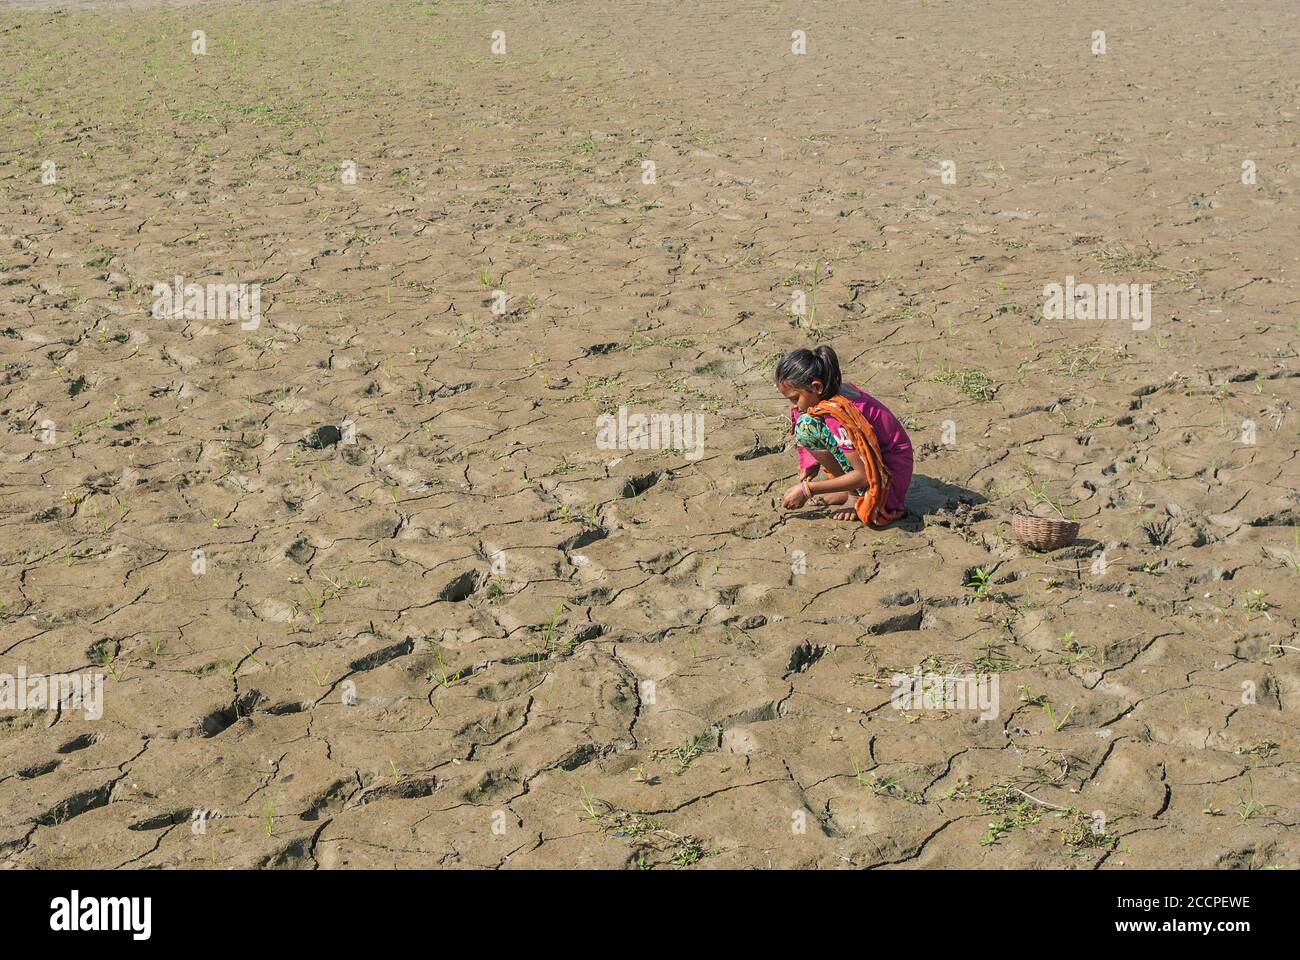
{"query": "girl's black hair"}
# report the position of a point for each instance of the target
(802, 367)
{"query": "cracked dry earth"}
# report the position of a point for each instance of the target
(566, 656)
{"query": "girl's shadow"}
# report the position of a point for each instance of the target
(927, 495)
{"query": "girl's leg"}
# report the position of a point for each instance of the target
(832, 467)
(825, 451)
(814, 436)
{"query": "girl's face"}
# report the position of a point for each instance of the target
(801, 398)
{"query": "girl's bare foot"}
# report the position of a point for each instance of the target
(832, 499)
(890, 517)
(839, 506)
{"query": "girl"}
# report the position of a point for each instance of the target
(848, 432)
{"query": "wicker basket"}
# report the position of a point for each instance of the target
(1043, 533)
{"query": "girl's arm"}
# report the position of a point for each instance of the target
(808, 465)
(798, 495)
(855, 478)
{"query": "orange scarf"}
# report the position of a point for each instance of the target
(871, 505)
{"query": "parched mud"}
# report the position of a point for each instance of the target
(455, 631)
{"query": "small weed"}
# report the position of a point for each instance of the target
(1013, 811)
(1248, 807)
(1081, 832)
(1262, 749)
(645, 834)
(979, 580)
(975, 384)
(1256, 601)
(684, 755)
(891, 787)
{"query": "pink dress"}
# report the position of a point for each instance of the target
(895, 445)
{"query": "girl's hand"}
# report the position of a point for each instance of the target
(794, 497)
(808, 473)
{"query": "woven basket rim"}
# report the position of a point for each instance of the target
(1018, 517)
(1044, 533)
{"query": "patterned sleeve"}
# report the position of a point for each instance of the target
(806, 459)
